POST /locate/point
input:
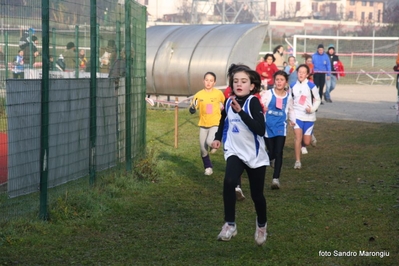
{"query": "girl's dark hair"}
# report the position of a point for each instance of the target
(305, 66)
(269, 55)
(281, 73)
(276, 48)
(210, 73)
(230, 71)
(254, 78)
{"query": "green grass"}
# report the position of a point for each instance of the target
(345, 198)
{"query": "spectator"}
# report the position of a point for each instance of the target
(27, 52)
(70, 56)
(322, 69)
(108, 56)
(332, 81)
(18, 69)
(82, 60)
(290, 51)
(278, 53)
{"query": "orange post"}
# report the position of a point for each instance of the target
(176, 120)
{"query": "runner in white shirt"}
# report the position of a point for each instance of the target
(306, 101)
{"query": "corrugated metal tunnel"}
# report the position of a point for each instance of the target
(179, 56)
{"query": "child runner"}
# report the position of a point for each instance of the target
(266, 71)
(290, 70)
(227, 93)
(244, 149)
(278, 103)
(306, 101)
(209, 102)
(308, 61)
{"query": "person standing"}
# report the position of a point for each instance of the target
(266, 71)
(278, 104)
(108, 57)
(306, 99)
(209, 101)
(18, 70)
(322, 69)
(242, 127)
(332, 81)
(82, 60)
(278, 53)
(29, 49)
(70, 57)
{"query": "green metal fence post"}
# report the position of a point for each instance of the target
(118, 39)
(44, 141)
(128, 108)
(31, 49)
(54, 48)
(77, 51)
(93, 89)
(6, 53)
(98, 45)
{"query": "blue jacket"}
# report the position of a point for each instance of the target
(321, 62)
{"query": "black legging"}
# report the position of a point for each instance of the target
(256, 176)
(319, 80)
(275, 148)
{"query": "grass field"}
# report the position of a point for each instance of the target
(344, 199)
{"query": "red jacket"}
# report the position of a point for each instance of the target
(268, 69)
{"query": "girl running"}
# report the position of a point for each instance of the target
(278, 104)
(306, 101)
(244, 149)
(209, 102)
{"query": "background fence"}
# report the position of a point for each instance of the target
(72, 89)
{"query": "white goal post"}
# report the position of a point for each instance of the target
(337, 38)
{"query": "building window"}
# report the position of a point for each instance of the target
(352, 2)
(298, 6)
(379, 16)
(362, 18)
(146, 2)
(364, 3)
(370, 15)
(350, 16)
(273, 9)
(371, 3)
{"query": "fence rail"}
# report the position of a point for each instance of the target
(72, 90)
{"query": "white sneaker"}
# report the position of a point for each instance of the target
(314, 141)
(275, 183)
(213, 151)
(272, 163)
(239, 195)
(208, 171)
(304, 150)
(297, 165)
(227, 232)
(260, 234)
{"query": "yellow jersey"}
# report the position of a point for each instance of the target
(209, 103)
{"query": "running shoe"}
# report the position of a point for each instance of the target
(275, 183)
(208, 171)
(304, 150)
(239, 195)
(297, 165)
(260, 234)
(228, 231)
(314, 141)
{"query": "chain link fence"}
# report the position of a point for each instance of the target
(72, 90)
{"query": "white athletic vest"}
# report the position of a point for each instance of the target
(239, 140)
